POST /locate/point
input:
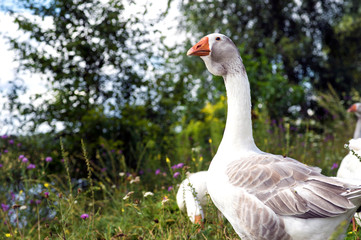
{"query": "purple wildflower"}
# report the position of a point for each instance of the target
(62, 160)
(31, 166)
(180, 165)
(4, 136)
(21, 157)
(25, 160)
(170, 188)
(46, 194)
(37, 201)
(174, 167)
(1, 165)
(176, 174)
(6, 151)
(48, 159)
(157, 171)
(11, 141)
(84, 216)
(19, 144)
(334, 166)
(5, 207)
(141, 172)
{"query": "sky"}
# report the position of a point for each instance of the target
(34, 82)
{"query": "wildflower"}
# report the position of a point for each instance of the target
(180, 165)
(21, 192)
(135, 180)
(31, 166)
(46, 194)
(122, 209)
(23, 207)
(157, 171)
(48, 159)
(170, 188)
(128, 195)
(84, 216)
(62, 160)
(334, 166)
(21, 157)
(210, 140)
(174, 167)
(5, 207)
(24, 160)
(141, 172)
(7, 235)
(167, 160)
(46, 185)
(37, 201)
(1, 165)
(201, 158)
(176, 174)
(18, 145)
(165, 199)
(6, 151)
(164, 174)
(11, 141)
(4, 136)
(148, 194)
(193, 159)
(121, 174)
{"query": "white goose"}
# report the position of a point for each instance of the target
(191, 196)
(266, 196)
(350, 167)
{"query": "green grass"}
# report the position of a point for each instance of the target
(47, 202)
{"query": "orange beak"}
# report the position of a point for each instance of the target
(353, 108)
(200, 49)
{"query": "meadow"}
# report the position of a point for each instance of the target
(43, 196)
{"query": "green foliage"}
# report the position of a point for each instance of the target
(309, 43)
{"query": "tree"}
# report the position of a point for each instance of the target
(303, 38)
(95, 56)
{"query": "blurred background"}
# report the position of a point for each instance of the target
(115, 73)
(102, 114)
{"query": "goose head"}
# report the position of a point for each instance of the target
(355, 108)
(218, 52)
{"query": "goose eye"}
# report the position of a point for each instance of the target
(218, 38)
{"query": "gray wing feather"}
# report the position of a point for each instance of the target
(289, 187)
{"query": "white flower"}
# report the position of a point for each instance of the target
(135, 180)
(23, 207)
(148, 194)
(165, 199)
(128, 195)
(121, 174)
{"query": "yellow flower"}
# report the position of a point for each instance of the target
(21, 192)
(210, 140)
(46, 185)
(167, 160)
(201, 159)
(193, 159)
(8, 235)
(122, 209)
